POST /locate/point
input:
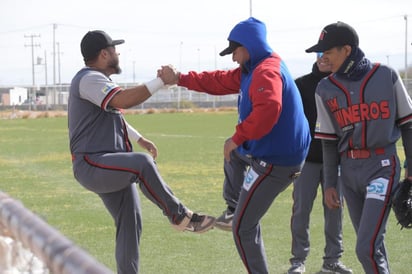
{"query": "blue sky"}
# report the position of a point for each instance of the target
(187, 33)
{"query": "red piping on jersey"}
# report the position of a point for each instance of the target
(117, 168)
(242, 211)
(361, 100)
(383, 212)
(126, 137)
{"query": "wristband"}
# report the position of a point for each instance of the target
(133, 134)
(154, 85)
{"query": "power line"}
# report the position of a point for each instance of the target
(22, 29)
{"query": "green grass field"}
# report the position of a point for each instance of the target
(35, 168)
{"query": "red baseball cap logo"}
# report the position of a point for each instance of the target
(322, 35)
(333, 35)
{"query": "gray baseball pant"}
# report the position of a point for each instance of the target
(235, 172)
(305, 189)
(367, 185)
(262, 184)
(113, 177)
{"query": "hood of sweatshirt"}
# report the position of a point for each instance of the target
(251, 34)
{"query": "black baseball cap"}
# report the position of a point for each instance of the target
(334, 35)
(94, 41)
(232, 46)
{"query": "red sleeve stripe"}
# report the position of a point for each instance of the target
(109, 96)
(405, 120)
(325, 136)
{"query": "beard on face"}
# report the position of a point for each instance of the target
(114, 64)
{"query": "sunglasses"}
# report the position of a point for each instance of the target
(319, 54)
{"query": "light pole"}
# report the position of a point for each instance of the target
(134, 72)
(54, 63)
(406, 50)
(198, 59)
(179, 88)
(46, 83)
(250, 8)
(180, 55)
(46, 90)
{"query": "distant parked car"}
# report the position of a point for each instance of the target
(28, 102)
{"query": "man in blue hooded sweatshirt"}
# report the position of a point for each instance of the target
(271, 139)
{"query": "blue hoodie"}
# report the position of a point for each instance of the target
(272, 125)
(288, 140)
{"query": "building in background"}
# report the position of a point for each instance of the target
(13, 96)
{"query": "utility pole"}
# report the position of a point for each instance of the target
(32, 45)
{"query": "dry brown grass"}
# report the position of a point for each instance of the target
(25, 114)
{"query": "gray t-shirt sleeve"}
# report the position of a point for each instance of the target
(98, 89)
(324, 123)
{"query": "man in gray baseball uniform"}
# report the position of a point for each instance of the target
(363, 110)
(305, 189)
(102, 152)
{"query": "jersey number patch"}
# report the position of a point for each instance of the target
(250, 179)
(377, 189)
